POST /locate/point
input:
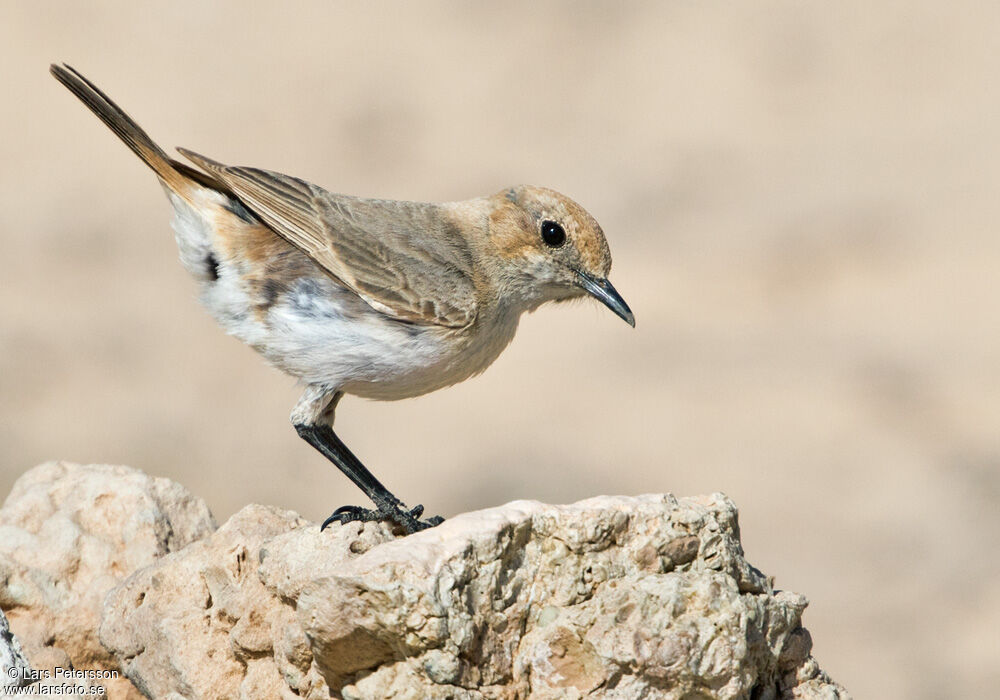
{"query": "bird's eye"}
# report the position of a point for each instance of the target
(553, 234)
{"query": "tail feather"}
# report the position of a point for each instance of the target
(123, 125)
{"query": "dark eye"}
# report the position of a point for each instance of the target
(553, 234)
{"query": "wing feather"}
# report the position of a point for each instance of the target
(406, 259)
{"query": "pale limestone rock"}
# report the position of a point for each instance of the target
(645, 597)
(70, 533)
(14, 667)
(202, 622)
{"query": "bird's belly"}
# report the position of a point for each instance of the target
(324, 334)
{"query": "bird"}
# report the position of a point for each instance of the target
(375, 298)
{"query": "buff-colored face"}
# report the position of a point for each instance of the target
(551, 245)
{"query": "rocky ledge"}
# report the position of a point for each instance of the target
(105, 569)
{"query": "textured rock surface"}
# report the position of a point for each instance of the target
(614, 597)
(13, 666)
(203, 624)
(611, 597)
(68, 535)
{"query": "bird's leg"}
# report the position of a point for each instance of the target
(312, 417)
(387, 505)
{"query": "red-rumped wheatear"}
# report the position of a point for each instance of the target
(371, 297)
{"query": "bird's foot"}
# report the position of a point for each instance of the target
(409, 520)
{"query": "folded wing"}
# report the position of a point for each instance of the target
(408, 260)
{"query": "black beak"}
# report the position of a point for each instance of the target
(607, 295)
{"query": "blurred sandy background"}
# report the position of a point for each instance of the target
(801, 198)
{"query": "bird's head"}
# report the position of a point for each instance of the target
(548, 248)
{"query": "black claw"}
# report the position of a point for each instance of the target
(348, 514)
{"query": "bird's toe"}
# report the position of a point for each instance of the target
(409, 520)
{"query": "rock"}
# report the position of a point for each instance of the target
(612, 597)
(203, 625)
(68, 535)
(14, 668)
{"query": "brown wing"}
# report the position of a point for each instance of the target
(406, 259)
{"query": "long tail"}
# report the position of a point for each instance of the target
(176, 175)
